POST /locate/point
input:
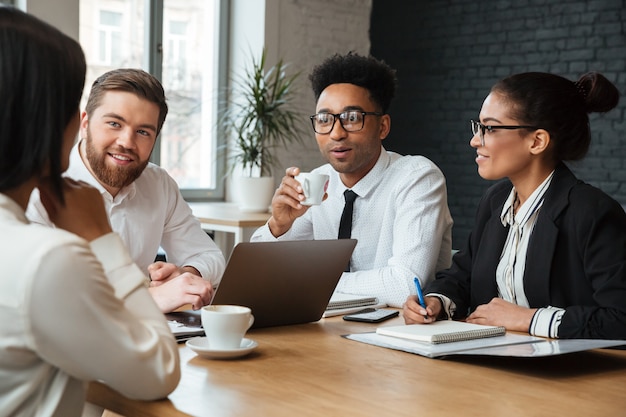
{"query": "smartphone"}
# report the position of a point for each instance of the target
(371, 315)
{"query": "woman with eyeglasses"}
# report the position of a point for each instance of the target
(547, 252)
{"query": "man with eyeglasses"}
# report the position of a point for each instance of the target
(400, 214)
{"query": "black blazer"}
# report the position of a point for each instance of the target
(575, 260)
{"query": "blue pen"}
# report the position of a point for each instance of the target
(420, 295)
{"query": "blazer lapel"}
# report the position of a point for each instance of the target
(489, 251)
(542, 243)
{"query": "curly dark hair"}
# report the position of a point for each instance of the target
(364, 71)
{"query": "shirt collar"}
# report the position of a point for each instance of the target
(527, 209)
(369, 182)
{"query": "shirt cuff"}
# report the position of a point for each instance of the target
(264, 234)
(119, 268)
(546, 322)
(448, 305)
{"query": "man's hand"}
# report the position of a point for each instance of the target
(286, 203)
(185, 288)
(161, 272)
(83, 212)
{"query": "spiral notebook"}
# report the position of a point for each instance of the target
(444, 331)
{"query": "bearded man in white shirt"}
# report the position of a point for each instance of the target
(125, 112)
(401, 218)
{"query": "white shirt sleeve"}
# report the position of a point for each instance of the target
(79, 324)
(416, 229)
(186, 244)
(546, 322)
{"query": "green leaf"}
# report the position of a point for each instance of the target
(262, 116)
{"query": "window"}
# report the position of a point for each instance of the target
(179, 42)
(109, 47)
(174, 61)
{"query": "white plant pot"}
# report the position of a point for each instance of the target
(255, 193)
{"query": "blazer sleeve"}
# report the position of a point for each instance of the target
(597, 225)
(470, 280)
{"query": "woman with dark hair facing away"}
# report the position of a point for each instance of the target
(547, 252)
(74, 307)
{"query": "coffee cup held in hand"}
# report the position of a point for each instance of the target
(313, 186)
(225, 325)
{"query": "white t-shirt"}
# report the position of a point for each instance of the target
(74, 311)
(401, 221)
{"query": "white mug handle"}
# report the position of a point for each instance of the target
(251, 321)
(306, 187)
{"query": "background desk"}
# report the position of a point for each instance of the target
(309, 370)
(227, 218)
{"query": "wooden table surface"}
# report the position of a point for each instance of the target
(309, 370)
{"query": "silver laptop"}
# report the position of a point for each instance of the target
(286, 282)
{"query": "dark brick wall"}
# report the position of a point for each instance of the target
(449, 53)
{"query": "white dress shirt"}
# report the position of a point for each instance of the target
(401, 222)
(149, 213)
(74, 311)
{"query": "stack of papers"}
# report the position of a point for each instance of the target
(343, 303)
(460, 339)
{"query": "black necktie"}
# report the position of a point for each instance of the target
(345, 225)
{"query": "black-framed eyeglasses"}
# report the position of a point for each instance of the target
(351, 120)
(478, 127)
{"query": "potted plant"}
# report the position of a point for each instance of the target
(259, 117)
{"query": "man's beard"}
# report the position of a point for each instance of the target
(117, 176)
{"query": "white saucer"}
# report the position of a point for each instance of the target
(200, 345)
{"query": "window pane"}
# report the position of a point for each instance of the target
(110, 18)
(188, 149)
(112, 34)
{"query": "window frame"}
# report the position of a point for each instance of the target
(153, 63)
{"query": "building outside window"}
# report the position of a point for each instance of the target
(186, 34)
(110, 38)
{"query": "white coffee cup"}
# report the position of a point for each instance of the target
(313, 186)
(225, 325)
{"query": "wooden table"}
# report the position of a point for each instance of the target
(227, 218)
(309, 370)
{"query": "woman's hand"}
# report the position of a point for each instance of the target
(413, 312)
(83, 212)
(502, 313)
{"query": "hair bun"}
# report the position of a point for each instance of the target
(599, 93)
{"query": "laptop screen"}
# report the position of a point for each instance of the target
(284, 282)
